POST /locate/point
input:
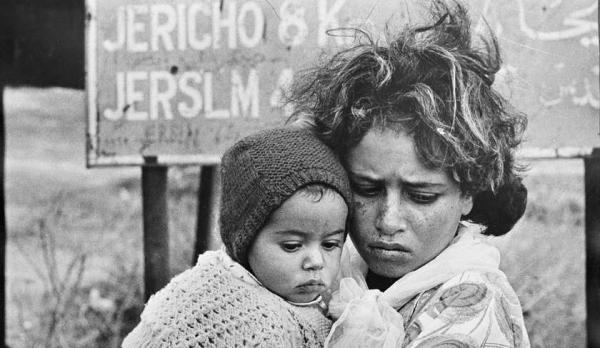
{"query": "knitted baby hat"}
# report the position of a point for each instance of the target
(261, 171)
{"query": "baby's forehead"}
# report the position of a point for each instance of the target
(309, 234)
(316, 191)
(311, 213)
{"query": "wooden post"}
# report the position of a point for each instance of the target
(7, 57)
(2, 224)
(156, 228)
(203, 215)
(592, 246)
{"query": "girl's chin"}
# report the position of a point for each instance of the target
(387, 268)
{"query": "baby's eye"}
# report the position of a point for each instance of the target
(331, 244)
(291, 246)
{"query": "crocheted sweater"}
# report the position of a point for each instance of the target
(218, 303)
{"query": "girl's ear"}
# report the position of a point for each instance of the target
(466, 204)
(466, 200)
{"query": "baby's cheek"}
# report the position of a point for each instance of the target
(333, 261)
(333, 267)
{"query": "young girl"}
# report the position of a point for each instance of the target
(282, 221)
(429, 147)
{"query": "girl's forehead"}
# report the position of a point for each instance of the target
(390, 154)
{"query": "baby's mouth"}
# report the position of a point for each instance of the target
(313, 285)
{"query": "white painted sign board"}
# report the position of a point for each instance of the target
(177, 82)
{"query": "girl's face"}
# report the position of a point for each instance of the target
(404, 213)
(297, 254)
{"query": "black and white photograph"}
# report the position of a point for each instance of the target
(300, 173)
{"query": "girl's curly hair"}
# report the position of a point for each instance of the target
(433, 83)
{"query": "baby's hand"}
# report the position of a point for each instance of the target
(365, 320)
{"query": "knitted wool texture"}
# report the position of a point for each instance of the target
(212, 306)
(261, 171)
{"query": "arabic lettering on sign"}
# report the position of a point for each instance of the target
(574, 24)
(549, 34)
(571, 93)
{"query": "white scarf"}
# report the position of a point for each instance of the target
(370, 316)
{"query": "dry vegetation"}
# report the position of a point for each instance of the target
(74, 237)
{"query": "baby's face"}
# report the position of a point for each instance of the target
(297, 254)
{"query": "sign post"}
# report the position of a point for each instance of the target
(592, 246)
(2, 220)
(206, 192)
(156, 228)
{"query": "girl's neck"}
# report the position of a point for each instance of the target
(381, 283)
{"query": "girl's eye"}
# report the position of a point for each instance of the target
(365, 190)
(423, 198)
(291, 246)
(331, 244)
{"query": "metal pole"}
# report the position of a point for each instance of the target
(592, 246)
(203, 215)
(156, 229)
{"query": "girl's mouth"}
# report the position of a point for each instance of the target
(385, 246)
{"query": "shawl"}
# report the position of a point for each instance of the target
(460, 298)
(218, 303)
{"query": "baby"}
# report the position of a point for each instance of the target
(284, 206)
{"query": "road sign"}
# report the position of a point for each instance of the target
(179, 81)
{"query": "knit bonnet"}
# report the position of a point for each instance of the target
(261, 171)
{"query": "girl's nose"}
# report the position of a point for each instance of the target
(390, 217)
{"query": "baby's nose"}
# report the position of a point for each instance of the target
(313, 260)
